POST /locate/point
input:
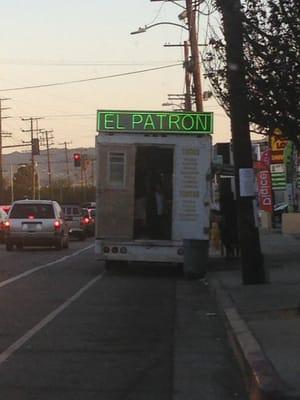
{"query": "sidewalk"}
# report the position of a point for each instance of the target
(263, 321)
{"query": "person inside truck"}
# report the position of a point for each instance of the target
(156, 212)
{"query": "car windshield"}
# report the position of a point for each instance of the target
(32, 211)
(71, 210)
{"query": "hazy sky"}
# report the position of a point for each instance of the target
(52, 41)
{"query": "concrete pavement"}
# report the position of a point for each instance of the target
(263, 321)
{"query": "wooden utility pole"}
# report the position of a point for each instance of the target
(32, 130)
(47, 142)
(251, 256)
(191, 17)
(188, 102)
(188, 70)
(2, 134)
(67, 162)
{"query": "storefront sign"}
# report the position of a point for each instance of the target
(266, 157)
(155, 122)
(278, 143)
(264, 186)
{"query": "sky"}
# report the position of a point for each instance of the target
(53, 41)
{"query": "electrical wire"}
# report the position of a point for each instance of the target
(159, 11)
(51, 63)
(91, 79)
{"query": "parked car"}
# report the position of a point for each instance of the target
(3, 219)
(75, 217)
(36, 223)
(89, 220)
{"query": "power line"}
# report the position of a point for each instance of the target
(51, 63)
(91, 79)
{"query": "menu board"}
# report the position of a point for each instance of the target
(191, 189)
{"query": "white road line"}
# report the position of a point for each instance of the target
(45, 321)
(35, 269)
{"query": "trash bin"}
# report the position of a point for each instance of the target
(195, 258)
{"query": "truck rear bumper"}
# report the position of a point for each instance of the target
(139, 250)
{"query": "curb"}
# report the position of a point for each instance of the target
(261, 379)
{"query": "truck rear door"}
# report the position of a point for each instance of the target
(115, 191)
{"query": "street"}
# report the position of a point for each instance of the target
(71, 330)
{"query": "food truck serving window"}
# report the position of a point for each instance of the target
(116, 169)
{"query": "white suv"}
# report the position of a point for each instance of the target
(36, 223)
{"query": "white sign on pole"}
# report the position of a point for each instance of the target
(247, 182)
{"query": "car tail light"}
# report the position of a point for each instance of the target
(6, 225)
(86, 220)
(57, 225)
(30, 216)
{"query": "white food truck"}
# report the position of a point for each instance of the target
(153, 184)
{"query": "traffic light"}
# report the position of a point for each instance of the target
(77, 159)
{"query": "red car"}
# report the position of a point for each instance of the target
(3, 219)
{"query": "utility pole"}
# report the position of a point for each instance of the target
(2, 134)
(188, 102)
(187, 67)
(191, 17)
(251, 256)
(191, 12)
(47, 138)
(67, 161)
(32, 130)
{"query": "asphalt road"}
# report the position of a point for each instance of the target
(70, 330)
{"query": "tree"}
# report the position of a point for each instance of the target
(271, 35)
(23, 182)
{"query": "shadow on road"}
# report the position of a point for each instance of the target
(154, 270)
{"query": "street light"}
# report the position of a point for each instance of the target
(146, 27)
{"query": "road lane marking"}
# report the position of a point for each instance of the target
(45, 321)
(49, 264)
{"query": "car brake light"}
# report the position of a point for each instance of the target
(57, 225)
(6, 225)
(30, 216)
(86, 220)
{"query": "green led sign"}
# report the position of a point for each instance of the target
(155, 122)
